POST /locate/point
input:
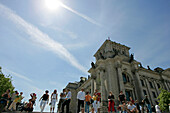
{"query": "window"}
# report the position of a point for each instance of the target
(154, 95)
(142, 82)
(158, 85)
(151, 84)
(125, 78)
(144, 92)
(128, 94)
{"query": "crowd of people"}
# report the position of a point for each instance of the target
(85, 102)
(12, 102)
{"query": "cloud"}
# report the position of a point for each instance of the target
(18, 75)
(81, 15)
(41, 38)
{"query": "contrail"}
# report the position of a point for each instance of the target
(80, 14)
(18, 75)
(41, 38)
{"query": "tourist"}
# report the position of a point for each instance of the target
(11, 98)
(95, 103)
(92, 110)
(28, 107)
(98, 95)
(137, 106)
(19, 100)
(87, 103)
(4, 100)
(111, 102)
(53, 100)
(121, 97)
(82, 110)
(80, 98)
(44, 100)
(12, 107)
(62, 99)
(148, 105)
(124, 107)
(131, 108)
(67, 101)
(33, 98)
(133, 102)
(157, 108)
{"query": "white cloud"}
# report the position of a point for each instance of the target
(41, 38)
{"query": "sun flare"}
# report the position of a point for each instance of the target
(52, 4)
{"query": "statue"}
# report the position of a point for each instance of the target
(92, 65)
(101, 56)
(148, 67)
(141, 65)
(131, 58)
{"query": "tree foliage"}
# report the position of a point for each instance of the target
(5, 83)
(164, 100)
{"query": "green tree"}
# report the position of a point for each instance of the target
(5, 83)
(164, 100)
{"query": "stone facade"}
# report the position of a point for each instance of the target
(115, 70)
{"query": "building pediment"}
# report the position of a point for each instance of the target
(110, 49)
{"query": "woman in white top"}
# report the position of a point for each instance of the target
(53, 100)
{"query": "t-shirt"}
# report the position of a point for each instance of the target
(98, 95)
(157, 108)
(45, 97)
(87, 97)
(131, 107)
(122, 97)
(111, 97)
(20, 98)
(146, 100)
(16, 98)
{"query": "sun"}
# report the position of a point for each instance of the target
(52, 4)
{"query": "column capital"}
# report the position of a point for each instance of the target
(118, 64)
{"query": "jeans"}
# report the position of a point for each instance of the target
(42, 105)
(87, 107)
(66, 103)
(80, 103)
(149, 108)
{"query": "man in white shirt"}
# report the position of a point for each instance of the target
(81, 98)
(157, 108)
(67, 101)
(132, 108)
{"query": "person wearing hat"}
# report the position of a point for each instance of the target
(53, 100)
(44, 100)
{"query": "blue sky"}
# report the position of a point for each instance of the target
(45, 49)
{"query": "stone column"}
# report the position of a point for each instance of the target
(138, 86)
(92, 86)
(120, 77)
(166, 86)
(103, 92)
(157, 89)
(149, 91)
